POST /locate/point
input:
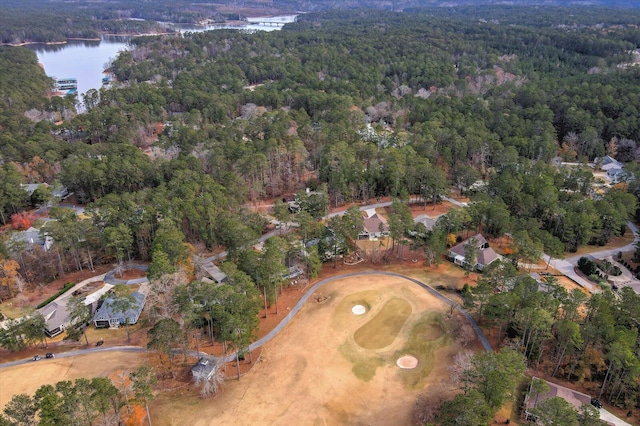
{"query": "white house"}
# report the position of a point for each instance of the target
(609, 162)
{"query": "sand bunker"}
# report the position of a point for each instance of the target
(407, 362)
(358, 310)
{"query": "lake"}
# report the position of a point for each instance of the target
(86, 60)
(82, 59)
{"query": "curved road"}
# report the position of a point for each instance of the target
(483, 339)
(567, 265)
(258, 343)
(80, 352)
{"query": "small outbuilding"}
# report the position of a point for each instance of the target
(214, 272)
(205, 368)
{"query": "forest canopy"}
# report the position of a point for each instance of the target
(354, 104)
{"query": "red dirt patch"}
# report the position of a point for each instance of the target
(43, 292)
(131, 274)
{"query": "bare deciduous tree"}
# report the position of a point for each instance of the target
(210, 382)
(428, 404)
(461, 363)
(160, 298)
(460, 329)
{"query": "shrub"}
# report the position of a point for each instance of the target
(587, 266)
(64, 289)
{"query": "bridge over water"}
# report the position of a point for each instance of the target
(276, 21)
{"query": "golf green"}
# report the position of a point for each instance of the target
(382, 330)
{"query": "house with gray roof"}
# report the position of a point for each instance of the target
(205, 368)
(109, 316)
(609, 162)
(484, 254)
(32, 237)
(56, 317)
(60, 192)
(214, 272)
(617, 175)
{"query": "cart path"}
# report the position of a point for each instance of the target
(258, 343)
(483, 339)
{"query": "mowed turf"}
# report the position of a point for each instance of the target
(383, 329)
(425, 338)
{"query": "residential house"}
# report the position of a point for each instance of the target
(293, 272)
(108, 316)
(484, 257)
(32, 237)
(56, 317)
(428, 223)
(60, 192)
(374, 226)
(617, 175)
(609, 162)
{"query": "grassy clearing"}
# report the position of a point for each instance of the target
(383, 329)
(615, 242)
(425, 338)
(10, 310)
(363, 366)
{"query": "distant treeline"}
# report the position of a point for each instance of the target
(55, 21)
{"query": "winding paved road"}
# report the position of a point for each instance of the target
(79, 352)
(483, 339)
(258, 343)
(567, 265)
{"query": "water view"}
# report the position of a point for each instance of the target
(272, 23)
(86, 60)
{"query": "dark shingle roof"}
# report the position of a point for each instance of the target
(107, 312)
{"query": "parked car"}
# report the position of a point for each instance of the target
(37, 358)
(49, 355)
(99, 342)
(596, 403)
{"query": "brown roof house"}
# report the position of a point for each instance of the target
(484, 254)
(375, 226)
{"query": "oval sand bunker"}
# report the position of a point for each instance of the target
(358, 310)
(407, 362)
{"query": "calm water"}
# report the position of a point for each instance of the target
(86, 60)
(272, 23)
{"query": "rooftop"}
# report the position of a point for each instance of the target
(107, 310)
